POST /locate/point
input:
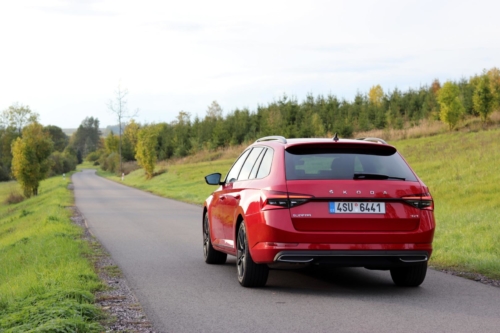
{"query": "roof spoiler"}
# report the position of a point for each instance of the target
(272, 138)
(376, 140)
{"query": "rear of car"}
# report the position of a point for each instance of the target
(349, 203)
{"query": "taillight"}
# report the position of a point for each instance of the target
(422, 201)
(277, 200)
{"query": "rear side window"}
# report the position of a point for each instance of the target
(249, 163)
(265, 165)
(303, 162)
(232, 175)
(256, 166)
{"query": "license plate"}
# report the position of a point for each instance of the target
(357, 207)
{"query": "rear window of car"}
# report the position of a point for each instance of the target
(305, 162)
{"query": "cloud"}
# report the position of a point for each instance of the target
(68, 56)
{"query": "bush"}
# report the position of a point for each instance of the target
(61, 163)
(94, 156)
(128, 167)
(13, 198)
(110, 163)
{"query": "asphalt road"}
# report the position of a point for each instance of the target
(158, 245)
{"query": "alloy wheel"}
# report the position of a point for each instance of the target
(206, 236)
(241, 255)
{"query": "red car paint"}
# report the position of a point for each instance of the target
(291, 216)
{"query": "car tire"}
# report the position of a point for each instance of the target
(411, 276)
(212, 256)
(249, 273)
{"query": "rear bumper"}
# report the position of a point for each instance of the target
(343, 255)
(277, 235)
(369, 259)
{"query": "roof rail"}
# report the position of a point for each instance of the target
(272, 138)
(377, 140)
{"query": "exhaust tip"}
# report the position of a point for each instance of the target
(414, 258)
(294, 259)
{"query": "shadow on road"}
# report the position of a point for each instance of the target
(336, 281)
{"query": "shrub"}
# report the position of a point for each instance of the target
(94, 156)
(13, 198)
(128, 167)
(110, 163)
(61, 163)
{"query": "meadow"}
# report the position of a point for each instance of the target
(460, 168)
(47, 281)
(463, 173)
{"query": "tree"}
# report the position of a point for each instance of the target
(57, 135)
(483, 99)
(494, 76)
(376, 94)
(452, 113)
(7, 136)
(452, 108)
(111, 143)
(146, 149)
(87, 137)
(317, 127)
(30, 162)
(130, 138)
(119, 108)
(4, 120)
(435, 87)
(12, 121)
(18, 116)
(214, 111)
(181, 139)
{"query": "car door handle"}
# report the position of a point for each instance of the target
(236, 196)
(222, 197)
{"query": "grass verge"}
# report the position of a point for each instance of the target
(47, 283)
(462, 171)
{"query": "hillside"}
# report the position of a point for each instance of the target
(461, 169)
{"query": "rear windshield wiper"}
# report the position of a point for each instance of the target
(374, 176)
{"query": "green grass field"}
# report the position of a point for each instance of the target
(461, 169)
(181, 181)
(463, 173)
(47, 281)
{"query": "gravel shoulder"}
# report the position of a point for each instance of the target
(471, 276)
(118, 301)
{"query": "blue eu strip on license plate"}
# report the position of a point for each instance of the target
(332, 207)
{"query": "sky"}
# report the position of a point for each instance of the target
(66, 59)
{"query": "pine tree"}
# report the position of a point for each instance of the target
(483, 99)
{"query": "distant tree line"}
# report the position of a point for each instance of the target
(315, 116)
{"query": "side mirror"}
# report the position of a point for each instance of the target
(213, 179)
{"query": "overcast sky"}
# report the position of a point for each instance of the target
(65, 59)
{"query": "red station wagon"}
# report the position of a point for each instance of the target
(346, 203)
